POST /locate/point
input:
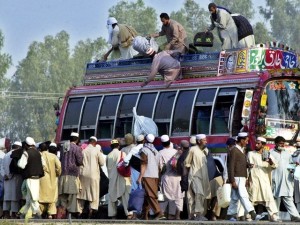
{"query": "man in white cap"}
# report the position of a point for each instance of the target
(282, 179)
(149, 178)
(31, 163)
(237, 175)
(170, 181)
(69, 183)
(199, 187)
(120, 37)
(12, 184)
(260, 186)
(119, 186)
(174, 32)
(49, 183)
(90, 177)
(164, 63)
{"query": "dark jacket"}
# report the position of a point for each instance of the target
(243, 26)
(237, 164)
(34, 167)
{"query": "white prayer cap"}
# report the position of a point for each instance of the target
(150, 138)
(74, 134)
(193, 140)
(30, 141)
(53, 145)
(242, 134)
(93, 138)
(200, 136)
(150, 51)
(261, 139)
(140, 137)
(17, 143)
(164, 138)
(111, 20)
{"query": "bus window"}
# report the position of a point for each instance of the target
(145, 105)
(224, 101)
(107, 116)
(71, 120)
(163, 111)
(89, 117)
(182, 113)
(125, 115)
(202, 111)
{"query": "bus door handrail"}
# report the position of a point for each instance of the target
(230, 119)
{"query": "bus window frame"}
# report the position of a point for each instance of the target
(165, 120)
(72, 127)
(229, 123)
(90, 127)
(191, 114)
(130, 115)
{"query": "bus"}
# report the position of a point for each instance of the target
(256, 90)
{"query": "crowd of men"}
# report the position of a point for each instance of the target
(42, 181)
(234, 31)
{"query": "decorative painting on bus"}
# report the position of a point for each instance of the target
(266, 59)
(241, 63)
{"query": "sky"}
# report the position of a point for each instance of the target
(25, 21)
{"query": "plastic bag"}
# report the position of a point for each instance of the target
(136, 199)
(122, 169)
(224, 195)
(143, 125)
(297, 173)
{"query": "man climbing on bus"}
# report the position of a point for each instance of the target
(120, 37)
(227, 29)
(174, 32)
(164, 63)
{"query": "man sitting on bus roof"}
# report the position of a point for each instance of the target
(163, 62)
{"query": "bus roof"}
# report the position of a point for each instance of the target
(226, 63)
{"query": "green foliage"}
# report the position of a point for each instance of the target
(5, 63)
(284, 17)
(243, 7)
(261, 33)
(49, 67)
(136, 14)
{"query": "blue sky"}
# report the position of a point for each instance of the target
(25, 21)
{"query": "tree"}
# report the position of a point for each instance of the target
(128, 12)
(261, 33)
(243, 7)
(50, 68)
(284, 17)
(5, 63)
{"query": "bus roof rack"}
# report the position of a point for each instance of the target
(236, 61)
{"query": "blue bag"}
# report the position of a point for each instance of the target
(136, 199)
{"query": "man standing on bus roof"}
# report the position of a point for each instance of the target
(227, 29)
(164, 62)
(174, 32)
(282, 179)
(120, 37)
